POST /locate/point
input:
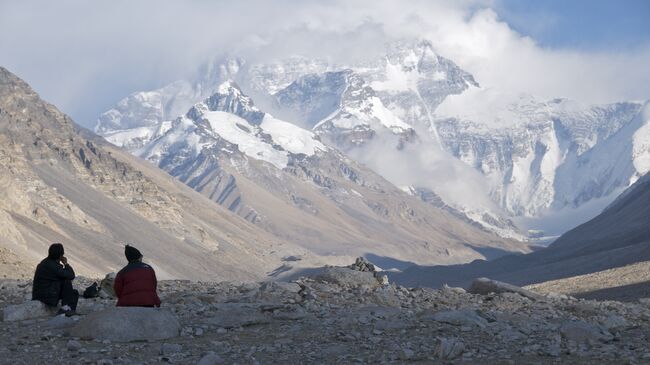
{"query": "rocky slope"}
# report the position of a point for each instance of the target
(625, 283)
(619, 236)
(59, 182)
(338, 319)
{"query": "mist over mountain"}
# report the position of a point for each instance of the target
(513, 164)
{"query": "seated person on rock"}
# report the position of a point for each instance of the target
(135, 285)
(53, 281)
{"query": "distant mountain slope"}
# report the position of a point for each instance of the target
(59, 182)
(619, 236)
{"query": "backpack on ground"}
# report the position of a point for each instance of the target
(91, 291)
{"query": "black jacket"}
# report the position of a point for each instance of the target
(47, 281)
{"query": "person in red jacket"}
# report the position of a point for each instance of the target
(135, 285)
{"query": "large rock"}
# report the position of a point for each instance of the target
(126, 324)
(28, 310)
(346, 277)
(485, 286)
(106, 286)
(231, 315)
(463, 317)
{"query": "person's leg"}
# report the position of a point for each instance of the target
(69, 296)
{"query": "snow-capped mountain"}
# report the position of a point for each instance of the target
(426, 125)
(541, 157)
(136, 119)
(284, 179)
(340, 107)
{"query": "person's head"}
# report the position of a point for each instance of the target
(132, 254)
(55, 252)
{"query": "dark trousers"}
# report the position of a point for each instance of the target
(68, 295)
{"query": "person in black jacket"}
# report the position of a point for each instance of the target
(53, 281)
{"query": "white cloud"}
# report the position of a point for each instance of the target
(84, 56)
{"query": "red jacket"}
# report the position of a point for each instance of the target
(135, 286)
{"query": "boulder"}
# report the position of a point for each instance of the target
(231, 315)
(458, 318)
(346, 277)
(126, 324)
(485, 286)
(28, 310)
(106, 286)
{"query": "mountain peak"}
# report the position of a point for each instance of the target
(229, 87)
(229, 98)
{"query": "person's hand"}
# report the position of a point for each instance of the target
(64, 260)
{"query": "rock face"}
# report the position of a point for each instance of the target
(127, 324)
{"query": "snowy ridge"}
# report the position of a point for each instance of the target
(561, 154)
(230, 116)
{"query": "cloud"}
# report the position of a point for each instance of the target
(84, 56)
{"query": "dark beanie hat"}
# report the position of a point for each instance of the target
(132, 253)
(55, 251)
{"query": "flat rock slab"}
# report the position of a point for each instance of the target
(346, 277)
(486, 286)
(28, 310)
(127, 324)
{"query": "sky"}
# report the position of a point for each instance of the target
(606, 25)
(85, 56)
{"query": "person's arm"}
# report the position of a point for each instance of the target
(118, 285)
(64, 272)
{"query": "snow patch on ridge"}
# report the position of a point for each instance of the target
(291, 137)
(238, 131)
